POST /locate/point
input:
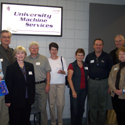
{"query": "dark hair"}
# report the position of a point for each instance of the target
(80, 50)
(55, 45)
(5, 31)
(98, 39)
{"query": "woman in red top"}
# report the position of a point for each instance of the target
(77, 78)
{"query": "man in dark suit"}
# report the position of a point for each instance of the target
(6, 57)
(119, 41)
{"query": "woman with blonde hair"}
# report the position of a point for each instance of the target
(116, 83)
(20, 81)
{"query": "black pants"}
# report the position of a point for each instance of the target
(20, 116)
(119, 107)
(77, 107)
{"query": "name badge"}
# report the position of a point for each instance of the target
(1, 60)
(86, 68)
(91, 61)
(30, 73)
(37, 63)
(115, 68)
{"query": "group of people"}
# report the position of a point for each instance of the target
(34, 79)
(31, 81)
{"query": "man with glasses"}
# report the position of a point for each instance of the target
(6, 57)
(119, 41)
(99, 65)
(42, 79)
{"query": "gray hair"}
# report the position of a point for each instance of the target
(33, 43)
(120, 36)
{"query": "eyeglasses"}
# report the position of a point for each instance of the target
(4, 37)
(34, 47)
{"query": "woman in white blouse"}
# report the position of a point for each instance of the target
(57, 84)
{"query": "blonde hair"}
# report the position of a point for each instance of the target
(121, 49)
(33, 43)
(19, 49)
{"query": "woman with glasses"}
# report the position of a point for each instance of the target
(116, 83)
(20, 81)
(57, 84)
(77, 77)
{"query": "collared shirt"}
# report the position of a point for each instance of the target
(8, 53)
(99, 67)
(41, 66)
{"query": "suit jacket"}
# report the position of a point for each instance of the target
(17, 84)
(4, 59)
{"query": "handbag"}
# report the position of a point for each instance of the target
(66, 81)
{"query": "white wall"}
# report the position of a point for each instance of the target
(75, 31)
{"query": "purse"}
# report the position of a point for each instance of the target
(66, 81)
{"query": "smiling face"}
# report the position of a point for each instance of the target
(121, 56)
(5, 38)
(98, 46)
(53, 51)
(34, 49)
(79, 57)
(20, 55)
(119, 41)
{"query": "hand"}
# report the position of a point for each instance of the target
(0, 78)
(60, 72)
(8, 104)
(118, 92)
(74, 94)
(47, 88)
(109, 92)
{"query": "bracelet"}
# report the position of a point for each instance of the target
(48, 83)
(123, 91)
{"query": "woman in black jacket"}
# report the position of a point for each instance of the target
(20, 81)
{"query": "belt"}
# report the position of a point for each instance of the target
(40, 82)
(98, 78)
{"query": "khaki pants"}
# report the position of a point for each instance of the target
(56, 97)
(41, 102)
(4, 116)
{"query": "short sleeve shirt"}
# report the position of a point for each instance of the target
(41, 66)
(82, 82)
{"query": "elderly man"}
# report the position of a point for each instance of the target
(42, 79)
(99, 64)
(119, 41)
(6, 57)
